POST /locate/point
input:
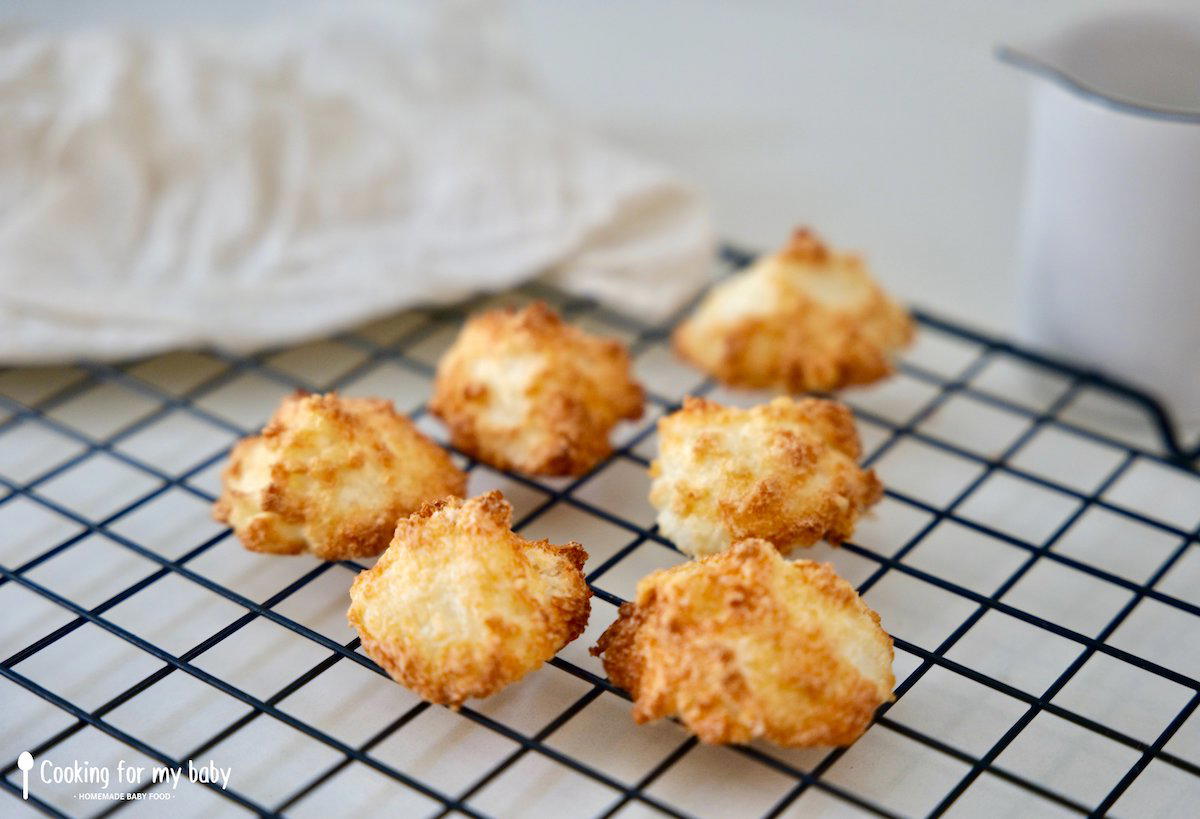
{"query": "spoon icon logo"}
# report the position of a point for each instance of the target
(25, 763)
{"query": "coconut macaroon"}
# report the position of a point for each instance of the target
(331, 476)
(459, 606)
(785, 471)
(806, 318)
(746, 645)
(523, 390)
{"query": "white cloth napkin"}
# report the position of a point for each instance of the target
(247, 188)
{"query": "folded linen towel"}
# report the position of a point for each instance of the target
(245, 188)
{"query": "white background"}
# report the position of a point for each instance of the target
(889, 126)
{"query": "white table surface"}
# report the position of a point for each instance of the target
(240, 625)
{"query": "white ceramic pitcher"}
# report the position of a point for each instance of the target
(1111, 224)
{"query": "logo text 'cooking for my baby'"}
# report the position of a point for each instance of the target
(125, 775)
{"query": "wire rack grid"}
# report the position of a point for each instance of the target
(1034, 558)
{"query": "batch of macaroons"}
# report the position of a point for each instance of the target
(738, 643)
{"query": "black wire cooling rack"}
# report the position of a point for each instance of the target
(1035, 558)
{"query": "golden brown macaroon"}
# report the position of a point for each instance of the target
(459, 606)
(785, 471)
(331, 476)
(805, 318)
(523, 390)
(746, 645)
